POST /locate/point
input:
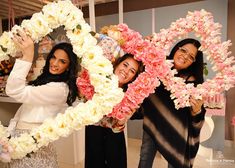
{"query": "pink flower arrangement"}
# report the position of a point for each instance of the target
(155, 66)
(5, 151)
(202, 24)
(84, 85)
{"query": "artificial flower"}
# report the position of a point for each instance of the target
(106, 95)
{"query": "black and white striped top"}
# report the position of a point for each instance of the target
(175, 132)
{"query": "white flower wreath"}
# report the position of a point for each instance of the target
(107, 93)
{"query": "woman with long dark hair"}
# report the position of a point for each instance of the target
(69, 76)
(174, 133)
(51, 93)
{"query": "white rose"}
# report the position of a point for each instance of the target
(64, 8)
(89, 42)
(51, 14)
(7, 45)
(46, 131)
(3, 55)
(75, 117)
(76, 37)
(94, 115)
(74, 18)
(62, 124)
(22, 145)
(101, 82)
(37, 26)
(102, 66)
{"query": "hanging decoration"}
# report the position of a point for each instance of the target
(11, 15)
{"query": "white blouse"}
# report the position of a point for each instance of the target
(39, 102)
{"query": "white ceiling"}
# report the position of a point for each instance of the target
(28, 7)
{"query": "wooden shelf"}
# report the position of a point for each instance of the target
(7, 99)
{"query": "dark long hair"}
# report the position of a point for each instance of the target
(69, 76)
(121, 59)
(196, 69)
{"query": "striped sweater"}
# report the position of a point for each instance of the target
(175, 132)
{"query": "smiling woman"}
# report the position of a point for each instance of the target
(126, 68)
(44, 97)
(109, 148)
(59, 62)
(183, 58)
(162, 120)
(190, 57)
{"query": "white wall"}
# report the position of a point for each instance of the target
(141, 20)
(166, 15)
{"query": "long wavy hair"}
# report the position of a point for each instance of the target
(121, 59)
(69, 76)
(196, 68)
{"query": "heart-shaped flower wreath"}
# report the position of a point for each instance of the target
(153, 55)
(202, 24)
(146, 82)
(100, 69)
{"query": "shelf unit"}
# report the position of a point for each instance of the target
(7, 99)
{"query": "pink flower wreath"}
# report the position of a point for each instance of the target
(155, 66)
(202, 24)
(153, 55)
